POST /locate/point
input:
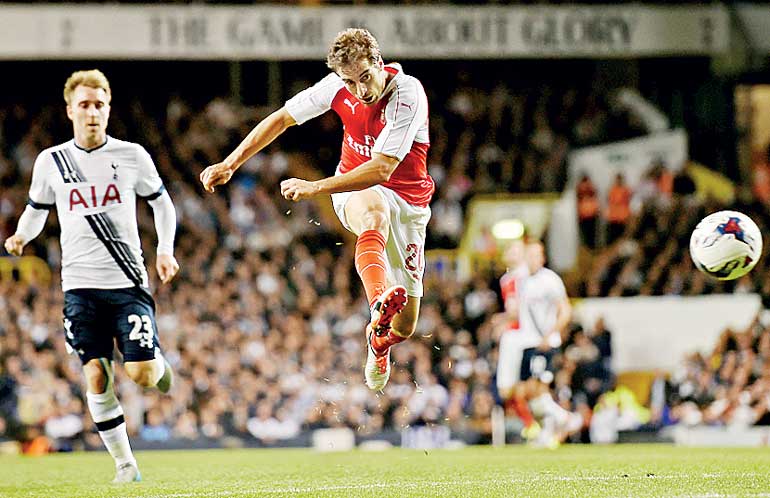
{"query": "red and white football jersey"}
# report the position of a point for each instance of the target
(510, 288)
(397, 126)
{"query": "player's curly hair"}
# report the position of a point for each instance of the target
(350, 46)
(92, 78)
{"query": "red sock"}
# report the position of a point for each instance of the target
(383, 342)
(370, 263)
(521, 407)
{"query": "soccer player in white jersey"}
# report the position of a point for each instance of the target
(93, 181)
(544, 313)
(382, 188)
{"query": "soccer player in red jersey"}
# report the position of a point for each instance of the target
(381, 190)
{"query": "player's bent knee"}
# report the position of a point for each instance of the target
(375, 219)
(142, 378)
(141, 372)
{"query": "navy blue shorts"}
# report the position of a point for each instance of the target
(534, 362)
(97, 319)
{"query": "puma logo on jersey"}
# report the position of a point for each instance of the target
(86, 197)
(352, 106)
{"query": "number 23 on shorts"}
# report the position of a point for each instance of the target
(142, 330)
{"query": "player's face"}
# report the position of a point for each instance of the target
(364, 80)
(89, 111)
(535, 254)
(514, 256)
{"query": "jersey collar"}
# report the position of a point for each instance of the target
(88, 151)
(393, 68)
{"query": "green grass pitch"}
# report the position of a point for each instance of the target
(579, 471)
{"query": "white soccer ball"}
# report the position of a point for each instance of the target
(726, 245)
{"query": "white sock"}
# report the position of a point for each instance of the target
(548, 427)
(108, 416)
(546, 435)
(159, 366)
(116, 441)
(544, 405)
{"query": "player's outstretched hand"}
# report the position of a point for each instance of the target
(167, 267)
(216, 174)
(295, 189)
(14, 245)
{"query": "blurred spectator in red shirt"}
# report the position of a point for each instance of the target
(618, 208)
(588, 210)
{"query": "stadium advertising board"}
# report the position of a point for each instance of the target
(283, 33)
(755, 19)
(652, 332)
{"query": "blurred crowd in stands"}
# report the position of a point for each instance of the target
(729, 386)
(264, 324)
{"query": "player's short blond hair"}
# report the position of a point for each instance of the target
(92, 78)
(351, 46)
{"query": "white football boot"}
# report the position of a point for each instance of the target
(127, 472)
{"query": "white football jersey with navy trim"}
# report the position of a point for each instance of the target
(94, 193)
(539, 301)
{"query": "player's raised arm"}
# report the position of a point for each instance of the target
(306, 105)
(32, 221)
(260, 137)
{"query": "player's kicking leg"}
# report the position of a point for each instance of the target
(151, 373)
(367, 214)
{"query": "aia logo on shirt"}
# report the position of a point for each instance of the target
(90, 197)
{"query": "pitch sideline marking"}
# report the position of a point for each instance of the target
(351, 487)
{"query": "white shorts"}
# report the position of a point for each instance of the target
(405, 249)
(509, 356)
